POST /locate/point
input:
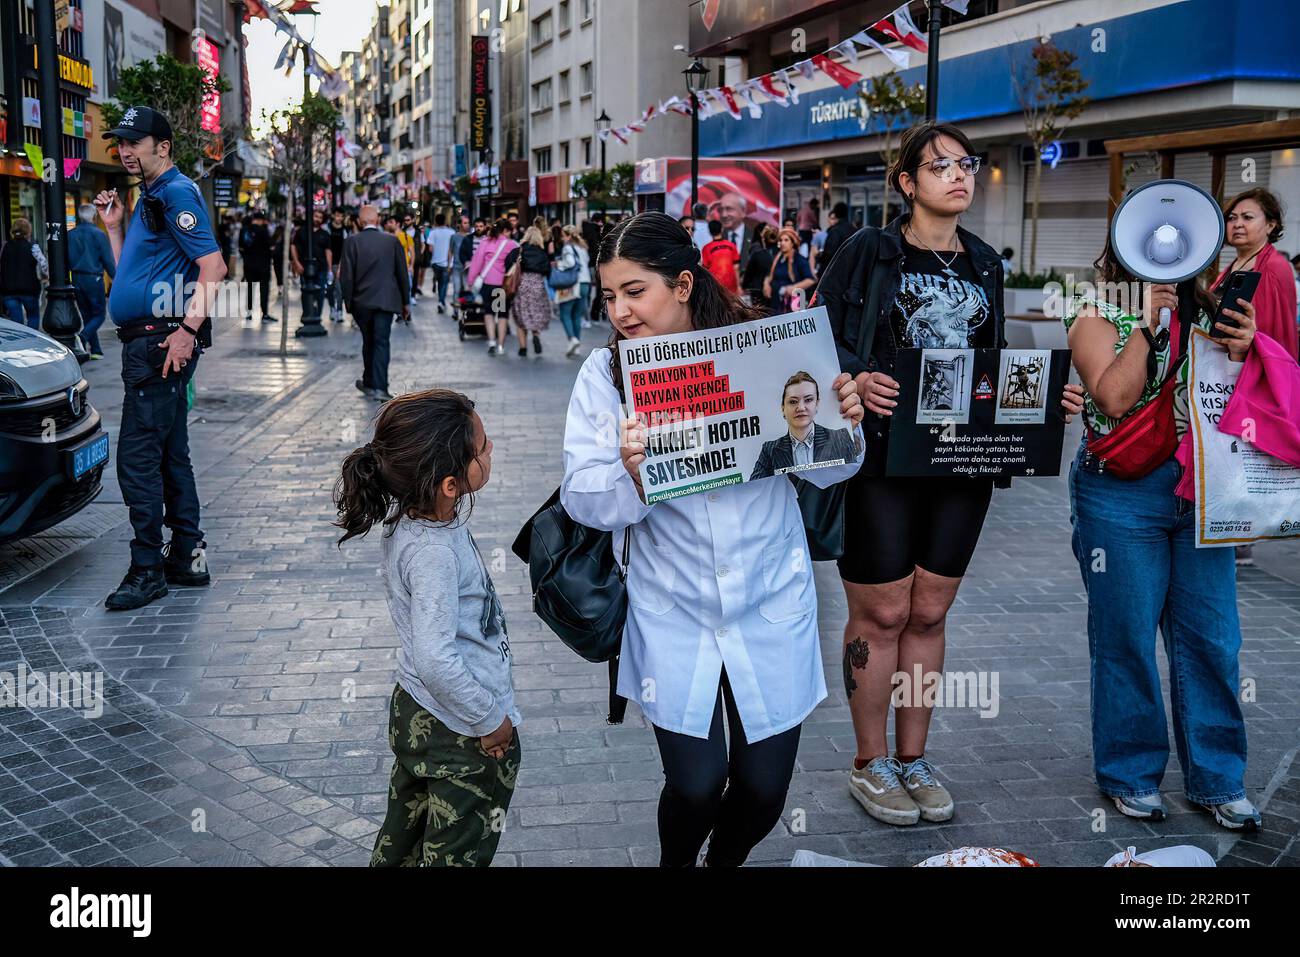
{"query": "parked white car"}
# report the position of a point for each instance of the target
(53, 449)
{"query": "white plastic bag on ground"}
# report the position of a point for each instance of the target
(1183, 855)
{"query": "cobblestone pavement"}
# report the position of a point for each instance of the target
(261, 700)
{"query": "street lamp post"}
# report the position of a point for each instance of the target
(62, 317)
(695, 75)
(334, 169)
(603, 123)
(932, 63)
(311, 325)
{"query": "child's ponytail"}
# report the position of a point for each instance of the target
(359, 494)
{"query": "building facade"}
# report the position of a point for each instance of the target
(101, 39)
(615, 56)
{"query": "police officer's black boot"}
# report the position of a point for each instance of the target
(186, 566)
(139, 587)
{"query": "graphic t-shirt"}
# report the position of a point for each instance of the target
(940, 307)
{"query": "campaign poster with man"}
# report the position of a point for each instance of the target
(737, 404)
(736, 191)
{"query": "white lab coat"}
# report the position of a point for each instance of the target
(715, 579)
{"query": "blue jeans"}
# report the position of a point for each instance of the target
(92, 302)
(571, 311)
(1136, 548)
(441, 279)
(14, 306)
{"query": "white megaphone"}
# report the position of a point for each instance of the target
(1167, 231)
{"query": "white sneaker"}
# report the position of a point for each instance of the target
(574, 346)
(1239, 815)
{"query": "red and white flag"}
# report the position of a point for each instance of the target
(768, 83)
(729, 98)
(911, 35)
(837, 71)
(620, 134)
(901, 58)
(255, 8)
(908, 38)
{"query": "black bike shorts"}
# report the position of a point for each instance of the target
(893, 526)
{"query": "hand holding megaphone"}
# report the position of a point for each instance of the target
(1161, 298)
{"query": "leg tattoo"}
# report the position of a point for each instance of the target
(855, 656)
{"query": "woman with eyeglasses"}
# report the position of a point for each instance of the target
(921, 282)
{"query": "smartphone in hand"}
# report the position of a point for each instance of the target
(1240, 285)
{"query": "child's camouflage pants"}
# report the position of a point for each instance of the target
(447, 798)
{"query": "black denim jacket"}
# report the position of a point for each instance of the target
(858, 289)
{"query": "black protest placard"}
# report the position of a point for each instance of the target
(978, 412)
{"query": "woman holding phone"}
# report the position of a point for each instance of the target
(1135, 542)
(921, 282)
(1254, 223)
(720, 647)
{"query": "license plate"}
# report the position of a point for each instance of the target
(86, 456)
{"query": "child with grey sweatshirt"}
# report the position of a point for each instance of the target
(453, 716)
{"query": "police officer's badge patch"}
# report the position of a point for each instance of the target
(186, 220)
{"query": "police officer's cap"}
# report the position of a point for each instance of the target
(138, 122)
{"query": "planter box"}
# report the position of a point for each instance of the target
(1021, 302)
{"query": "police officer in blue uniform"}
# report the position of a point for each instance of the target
(169, 268)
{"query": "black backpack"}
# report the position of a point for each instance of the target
(579, 589)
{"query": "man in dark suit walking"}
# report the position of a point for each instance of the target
(376, 288)
(806, 442)
(255, 249)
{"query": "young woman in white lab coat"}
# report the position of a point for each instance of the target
(722, 616)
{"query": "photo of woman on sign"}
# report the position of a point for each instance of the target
(720, 647)
(806, 442)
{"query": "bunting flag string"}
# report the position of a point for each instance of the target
(333, 83)
(779, 86)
